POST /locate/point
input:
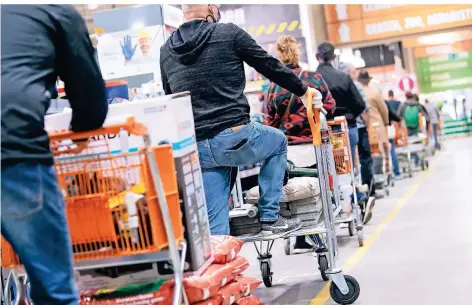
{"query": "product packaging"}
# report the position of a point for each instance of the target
(225, 248)
(250, 300)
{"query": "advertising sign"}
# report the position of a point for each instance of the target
(445, 72)
(131, 52)
(354, 23)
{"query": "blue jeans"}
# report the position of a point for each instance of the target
(222, 154)
(34, 222)
(396, 167)
(353, 140)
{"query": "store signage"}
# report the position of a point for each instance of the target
(443, 49)
(440, 38)
(406, 83)
(401, 20)
(444, 72)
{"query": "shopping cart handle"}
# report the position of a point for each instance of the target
(111, 127)
(314, 119)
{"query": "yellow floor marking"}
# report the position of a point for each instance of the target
(323, 296)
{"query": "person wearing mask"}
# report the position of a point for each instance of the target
(434, 117)
(285, 111)
(33, 218)
(367, 203)
(207, 59)
(393, 116)
(378, 112)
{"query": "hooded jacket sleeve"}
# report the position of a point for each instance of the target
(255, 56)
(77, 67)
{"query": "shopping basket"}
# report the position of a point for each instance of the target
(118, 203)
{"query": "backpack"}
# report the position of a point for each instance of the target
(412, 116)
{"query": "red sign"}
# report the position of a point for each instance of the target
(406, 84)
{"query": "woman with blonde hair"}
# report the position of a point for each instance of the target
(285, 111)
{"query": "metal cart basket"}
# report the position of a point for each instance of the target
(106, 228)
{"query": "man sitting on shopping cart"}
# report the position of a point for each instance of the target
(207, 58)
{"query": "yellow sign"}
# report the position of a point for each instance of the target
(273, 27)
(386, 21)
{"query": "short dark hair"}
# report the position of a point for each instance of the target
(390, 93)
(325, 51)
(409, 95)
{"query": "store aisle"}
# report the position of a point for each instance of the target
(418, 246)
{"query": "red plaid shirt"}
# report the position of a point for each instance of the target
(295, 125)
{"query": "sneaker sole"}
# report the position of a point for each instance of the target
(279, 235)
(368, 210)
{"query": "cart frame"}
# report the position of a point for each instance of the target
(19, 278)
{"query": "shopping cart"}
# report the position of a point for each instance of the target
(380, 151)
(401, 148)
(344, 289)
(418, 145)
(344, 164)
(122, 208)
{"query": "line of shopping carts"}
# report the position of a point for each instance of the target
(320, 211)
(104, 231)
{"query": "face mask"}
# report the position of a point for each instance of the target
(215, 18)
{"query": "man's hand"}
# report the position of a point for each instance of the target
(127, 49)
(317, 98)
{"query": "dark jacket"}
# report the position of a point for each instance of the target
(392, 113)
(39, 43)
(207, 60)
(349, 102)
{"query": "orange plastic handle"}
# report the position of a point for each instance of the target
(313, 119)
(130, 125)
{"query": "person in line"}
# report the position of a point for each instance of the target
(349, 102)
(366, 203)
(409, 111)
(285, 111)
(207, 58)
(434, 118)
(378, 116)
(393, 116)
(33, 218)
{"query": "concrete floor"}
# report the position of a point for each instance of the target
(418, 246)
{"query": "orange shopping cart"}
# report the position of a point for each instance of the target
(401, 147)
(339, 132)
(380, 151)
(122, 208)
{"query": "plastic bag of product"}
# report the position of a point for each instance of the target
(249, 300)
(231, 293)
(220, 273)
(153, 293)
(199, 288)
(216, 300)
(238, 265)
(249, 284)
(225, 248)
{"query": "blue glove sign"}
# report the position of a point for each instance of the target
(126, 48)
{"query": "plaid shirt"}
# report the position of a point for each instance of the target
(295, 125)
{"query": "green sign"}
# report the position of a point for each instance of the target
(446, 72)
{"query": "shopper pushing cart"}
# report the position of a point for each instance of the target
(48, 41)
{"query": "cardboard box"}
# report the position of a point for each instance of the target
(169, 120)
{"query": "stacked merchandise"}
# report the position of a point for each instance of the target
(300, 199)
(221, 284)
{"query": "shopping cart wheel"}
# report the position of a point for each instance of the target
(426, 162)
(351, 296)
(360, 237)
(387, 191)
(351, 228)
(287, 246)
(266, 274)
(323, 266)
